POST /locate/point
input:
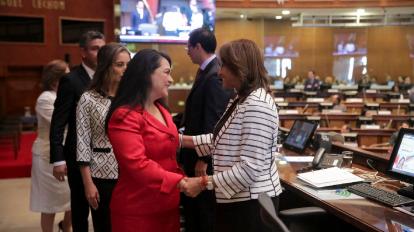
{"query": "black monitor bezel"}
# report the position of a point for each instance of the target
(394, 153)
(295, 148)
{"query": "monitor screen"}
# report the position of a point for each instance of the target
(401, 163)
(164, 21)
(300, 135)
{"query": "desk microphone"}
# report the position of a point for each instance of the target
(388, 126)
(305, 108)
(327, 120)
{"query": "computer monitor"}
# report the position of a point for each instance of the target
(401, 163)
(299, 135)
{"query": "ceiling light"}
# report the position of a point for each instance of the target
(278, 17)
(285, 12)
(360, 11)
(242, 16)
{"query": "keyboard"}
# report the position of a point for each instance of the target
(380, 195)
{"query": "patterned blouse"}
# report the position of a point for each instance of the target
(93, 146)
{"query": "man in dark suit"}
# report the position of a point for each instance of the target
(312, 84)
(139, 15)
(204, 106)
(63, 155)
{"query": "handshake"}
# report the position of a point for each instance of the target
(191, 186)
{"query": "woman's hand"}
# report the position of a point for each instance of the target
(92, 195)
(192, 186)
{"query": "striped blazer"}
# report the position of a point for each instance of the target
(242, 151)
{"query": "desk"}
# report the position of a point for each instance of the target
(397, 119)
(337, 120)
(363, 214)
(367, 137)
(287, 120)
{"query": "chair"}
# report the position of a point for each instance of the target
(268, 214)
(10, 132)
(296, 219)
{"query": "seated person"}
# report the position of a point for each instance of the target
(345, 128)
(394, 135)
(336, 100)
(312, 84)
(411, 95)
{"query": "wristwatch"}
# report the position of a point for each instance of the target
(210, 184)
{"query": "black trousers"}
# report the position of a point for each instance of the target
(79, 204)
(199, 212)
(101, 217)
(241, 216)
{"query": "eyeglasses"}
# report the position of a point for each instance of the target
(120, 64)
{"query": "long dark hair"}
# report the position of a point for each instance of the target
(102, 77)
(136, 82)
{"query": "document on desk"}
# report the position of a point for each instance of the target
(328, 177)
(329, 194)
(298, 159)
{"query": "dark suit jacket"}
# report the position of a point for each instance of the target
(203, 108)
(136, 19)
(70, 89)
(312, 85)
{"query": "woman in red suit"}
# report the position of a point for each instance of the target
(145, 140)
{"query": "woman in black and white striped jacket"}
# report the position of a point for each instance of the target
(242, 142)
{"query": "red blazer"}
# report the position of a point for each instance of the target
(148, 172)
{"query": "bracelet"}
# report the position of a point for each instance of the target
(180, 140)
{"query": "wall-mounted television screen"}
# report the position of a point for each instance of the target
(164, 21)
(350, 43)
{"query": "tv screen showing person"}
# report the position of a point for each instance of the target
(164, 21)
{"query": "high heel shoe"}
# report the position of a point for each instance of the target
(60, 226)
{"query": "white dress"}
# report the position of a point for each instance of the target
(47, 194)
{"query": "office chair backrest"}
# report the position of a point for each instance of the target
(268, 213)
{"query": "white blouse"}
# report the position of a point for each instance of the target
(44, 110)
(242, 151)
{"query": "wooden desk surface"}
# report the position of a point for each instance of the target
(364, 214)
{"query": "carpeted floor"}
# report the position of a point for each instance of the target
(21, 167)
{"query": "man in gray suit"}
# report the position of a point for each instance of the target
(203, 108)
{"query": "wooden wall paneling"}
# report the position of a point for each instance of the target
(323, 52)
(182, 64)
(12, 54)
(388, 52)
(22, 87)
(228, 30)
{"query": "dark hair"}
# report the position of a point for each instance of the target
(88, 37)
(136, 82)
(52, 73)
(244, 59)
(106, 57)
(205, 38)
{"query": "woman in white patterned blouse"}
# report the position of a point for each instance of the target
(98, 165)
(242, 142)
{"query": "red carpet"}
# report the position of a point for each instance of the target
(11, 168)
